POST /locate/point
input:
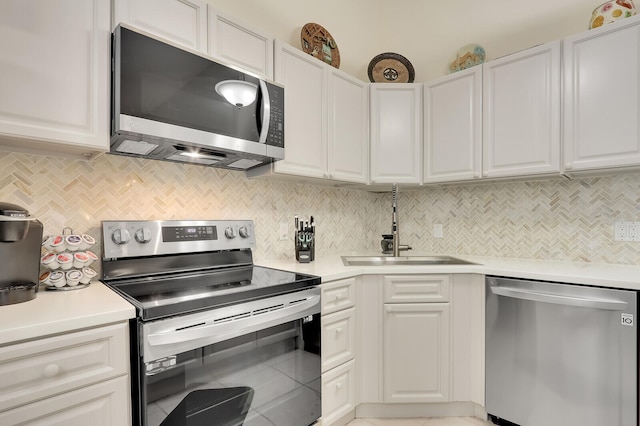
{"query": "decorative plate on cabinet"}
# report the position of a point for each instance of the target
(318, 42)
(467, 57)
(390, 67)
(611, 11)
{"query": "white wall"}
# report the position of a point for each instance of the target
(427, 32)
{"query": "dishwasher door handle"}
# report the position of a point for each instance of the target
(579, 301)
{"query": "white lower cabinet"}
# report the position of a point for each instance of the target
(338, 341)
(467, 338)
(416, 340)
(420, 345)
(97, 405)
(338, 393)
(338, 351)
(72, 379)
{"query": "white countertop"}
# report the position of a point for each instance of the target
(606, 275)
(54, 312)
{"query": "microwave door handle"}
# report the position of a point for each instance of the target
(266, 112)
(580, 301)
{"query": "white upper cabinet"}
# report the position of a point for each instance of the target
(54, 76)
(521, 113)
(396, 133)
(183, 22)
(348, 131)
(326, 120)
(602, 97)
(305, 125)
(453, 127)
(238, 44)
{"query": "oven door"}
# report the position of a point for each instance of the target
(256, 363)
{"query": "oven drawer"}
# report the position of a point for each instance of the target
(41, 368)
(338, 338)
(416, 288)
(338, 295)
(338, 392)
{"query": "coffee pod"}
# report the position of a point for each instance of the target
(65, 260)
(87, 275)
(73, 277)
(57, 244)
(57, 279)
(87, 241)
(80, 259)
(44, 277)
(73, 242)
(50, 261)
(91, 257)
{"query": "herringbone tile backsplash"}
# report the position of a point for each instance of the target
(552, 219)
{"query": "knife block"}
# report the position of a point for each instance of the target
(305, 246)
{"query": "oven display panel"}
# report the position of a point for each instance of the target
(189, 233)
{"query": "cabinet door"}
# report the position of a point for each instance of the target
(305, 80)
(183, 22)
(338, 393)
(453, 127)
(55, 74)
(396, 133)
(103, 404)
(238, 44)
(338, 295)
(521, 113)
(602, 97)
(416, 352)
(338, 338)
(348, 139)
(467, 331)
(39, 368)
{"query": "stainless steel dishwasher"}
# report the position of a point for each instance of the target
(560, 354)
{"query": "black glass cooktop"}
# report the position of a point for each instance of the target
(176, 294)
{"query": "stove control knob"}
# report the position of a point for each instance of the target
(230, 233)
(121, 236)
(244, 232)
(143, 235)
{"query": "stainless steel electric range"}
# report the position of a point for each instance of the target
(217, 340)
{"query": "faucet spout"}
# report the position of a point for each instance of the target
(395, 231)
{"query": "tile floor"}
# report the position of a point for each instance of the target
(435, 421)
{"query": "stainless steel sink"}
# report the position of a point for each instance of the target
(402, 260)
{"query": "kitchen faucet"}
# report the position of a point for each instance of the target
(395, 231)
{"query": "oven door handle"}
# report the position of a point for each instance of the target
(220, 331)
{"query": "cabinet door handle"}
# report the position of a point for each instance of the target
(338, 330)
(339, 385)
(51, 370)
(339, 296)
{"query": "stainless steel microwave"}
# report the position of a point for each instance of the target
(173, 104)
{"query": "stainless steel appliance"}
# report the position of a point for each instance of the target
(217, 340)
(20, 244)
(560, 354)
(173, 104)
